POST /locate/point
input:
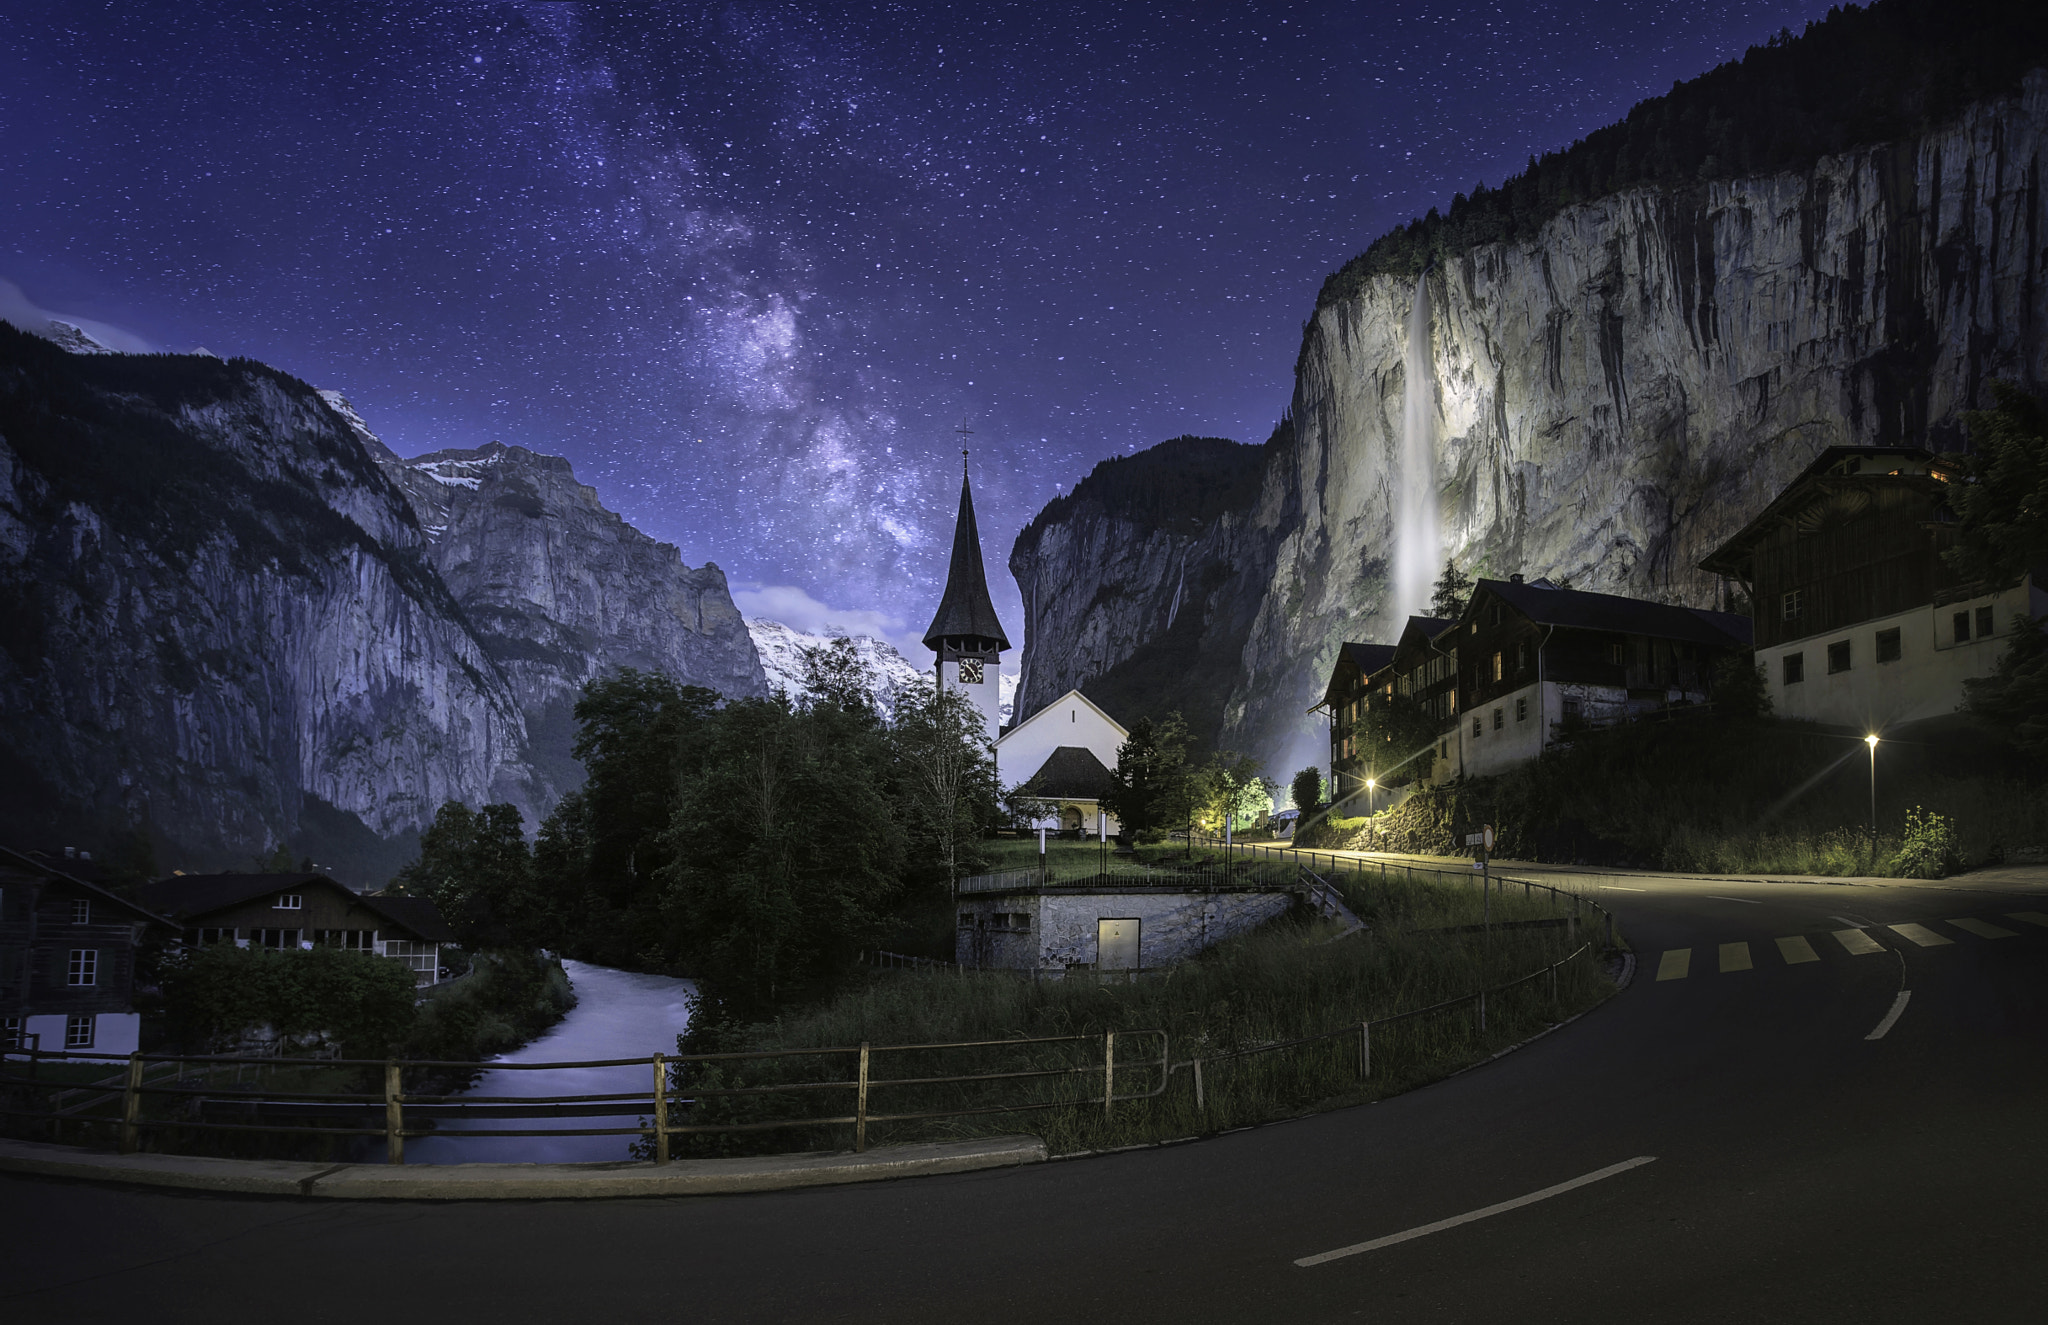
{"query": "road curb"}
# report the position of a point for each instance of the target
(520, 1182)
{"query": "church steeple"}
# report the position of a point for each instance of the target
(966, 620)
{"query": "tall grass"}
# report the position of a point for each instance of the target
(1283, 983)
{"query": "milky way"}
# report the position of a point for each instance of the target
(752, 267)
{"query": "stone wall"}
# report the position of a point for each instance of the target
(1055, 931)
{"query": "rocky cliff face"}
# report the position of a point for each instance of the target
(1616, 398)
(225, 619)
(560, 590)
(1141, 587)
(781, 648)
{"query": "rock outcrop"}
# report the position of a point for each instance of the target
(225, 621)
(1611, 400)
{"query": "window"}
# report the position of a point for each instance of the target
(1499, 719)
(78, 1031)
(84, 969)
(1888, 648)
(967, 920)
(10, 1032)
(1521, 710)
(208, 935)
(424, 958)
(1792, 605)
(1795, 668)
(1614, 653)
(1838, 657)
(1475, 725)
(289, 901)
(1573, 710)
(1985, 623)
(282, 939)
(353, 940)
(1962, 622)
(81, 912)
(1499, 669)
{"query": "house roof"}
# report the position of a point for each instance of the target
(19, 863)
(965, 609)
(1834, 468)
(189, 897)
(1123, 732)
(1576, 609)
(1367, 658)
(1071, 772)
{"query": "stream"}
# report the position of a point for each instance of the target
(618, 1014)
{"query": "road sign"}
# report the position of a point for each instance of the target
(1482, 838)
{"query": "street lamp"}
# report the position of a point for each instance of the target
(1871, 741)
(1370, 783)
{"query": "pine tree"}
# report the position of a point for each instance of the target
(1453, 591)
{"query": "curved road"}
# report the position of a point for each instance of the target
(1802, 1171)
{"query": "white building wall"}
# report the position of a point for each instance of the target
(1517, 741)
(987, 694)
(1059, 929)
(1072, 719)
(112, 1032)
(1925, 681)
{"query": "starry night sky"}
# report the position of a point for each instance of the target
(750, 266)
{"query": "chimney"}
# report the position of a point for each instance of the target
(71, 853)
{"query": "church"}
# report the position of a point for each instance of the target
(1065, 751)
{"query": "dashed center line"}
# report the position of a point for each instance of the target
(1469, 1216)
(1746, 901)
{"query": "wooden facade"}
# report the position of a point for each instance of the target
(290, 911)
(67, 959)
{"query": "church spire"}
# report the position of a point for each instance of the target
(966, 612)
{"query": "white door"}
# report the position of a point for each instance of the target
(1116, 945)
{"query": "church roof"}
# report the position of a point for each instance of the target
(966, 609)
(1071, 772)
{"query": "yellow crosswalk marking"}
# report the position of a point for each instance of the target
(1796, 949)
(1921, 935)
(2031, 917)
(1856, 941)
(1734, 957)
(1983, 930)
(1676, 964)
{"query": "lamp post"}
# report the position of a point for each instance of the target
(1871, 741)
(1370, 784)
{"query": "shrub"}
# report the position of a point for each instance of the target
(223, 993)
(1931, 847)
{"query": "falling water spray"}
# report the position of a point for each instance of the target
(1418, 544)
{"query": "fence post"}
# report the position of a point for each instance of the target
(1108, 1071)
(1364, 1050)
(1482, 1009)
(131, 1105)
(860, 1102)
(394, 1115)
(1201, 1105)
(660, 1110)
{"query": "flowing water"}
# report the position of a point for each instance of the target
(618, 1014)
(1418, 543)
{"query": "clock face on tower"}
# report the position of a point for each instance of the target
(970, 671)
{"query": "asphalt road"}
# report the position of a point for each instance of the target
(1801, 1172)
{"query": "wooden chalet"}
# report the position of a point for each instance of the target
(1859, 620)
(67, 959)
(293, 911)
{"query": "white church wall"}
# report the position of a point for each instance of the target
(1072, 719)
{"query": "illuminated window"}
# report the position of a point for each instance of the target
(1795, 668)
(1499, 666)
(1888, 647)
(83, 972)
(1838, 657)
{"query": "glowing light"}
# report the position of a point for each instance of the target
(1370, 783)
(1870, 741)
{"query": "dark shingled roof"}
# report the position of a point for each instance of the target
(1071, 772)
(1576, 609)
(1368, 657)
(966, 610)
(1834, 466)
(32, 866)
(187, 896)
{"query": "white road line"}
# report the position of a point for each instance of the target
(1676, 964)
(1922, 935)
(1615, 887)
(1746, 901)
(1890, 1018)
(1735, 957)
(1797, 949)
(1858, 942)
(1455, 1220)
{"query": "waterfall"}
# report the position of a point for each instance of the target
(1418, 544)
